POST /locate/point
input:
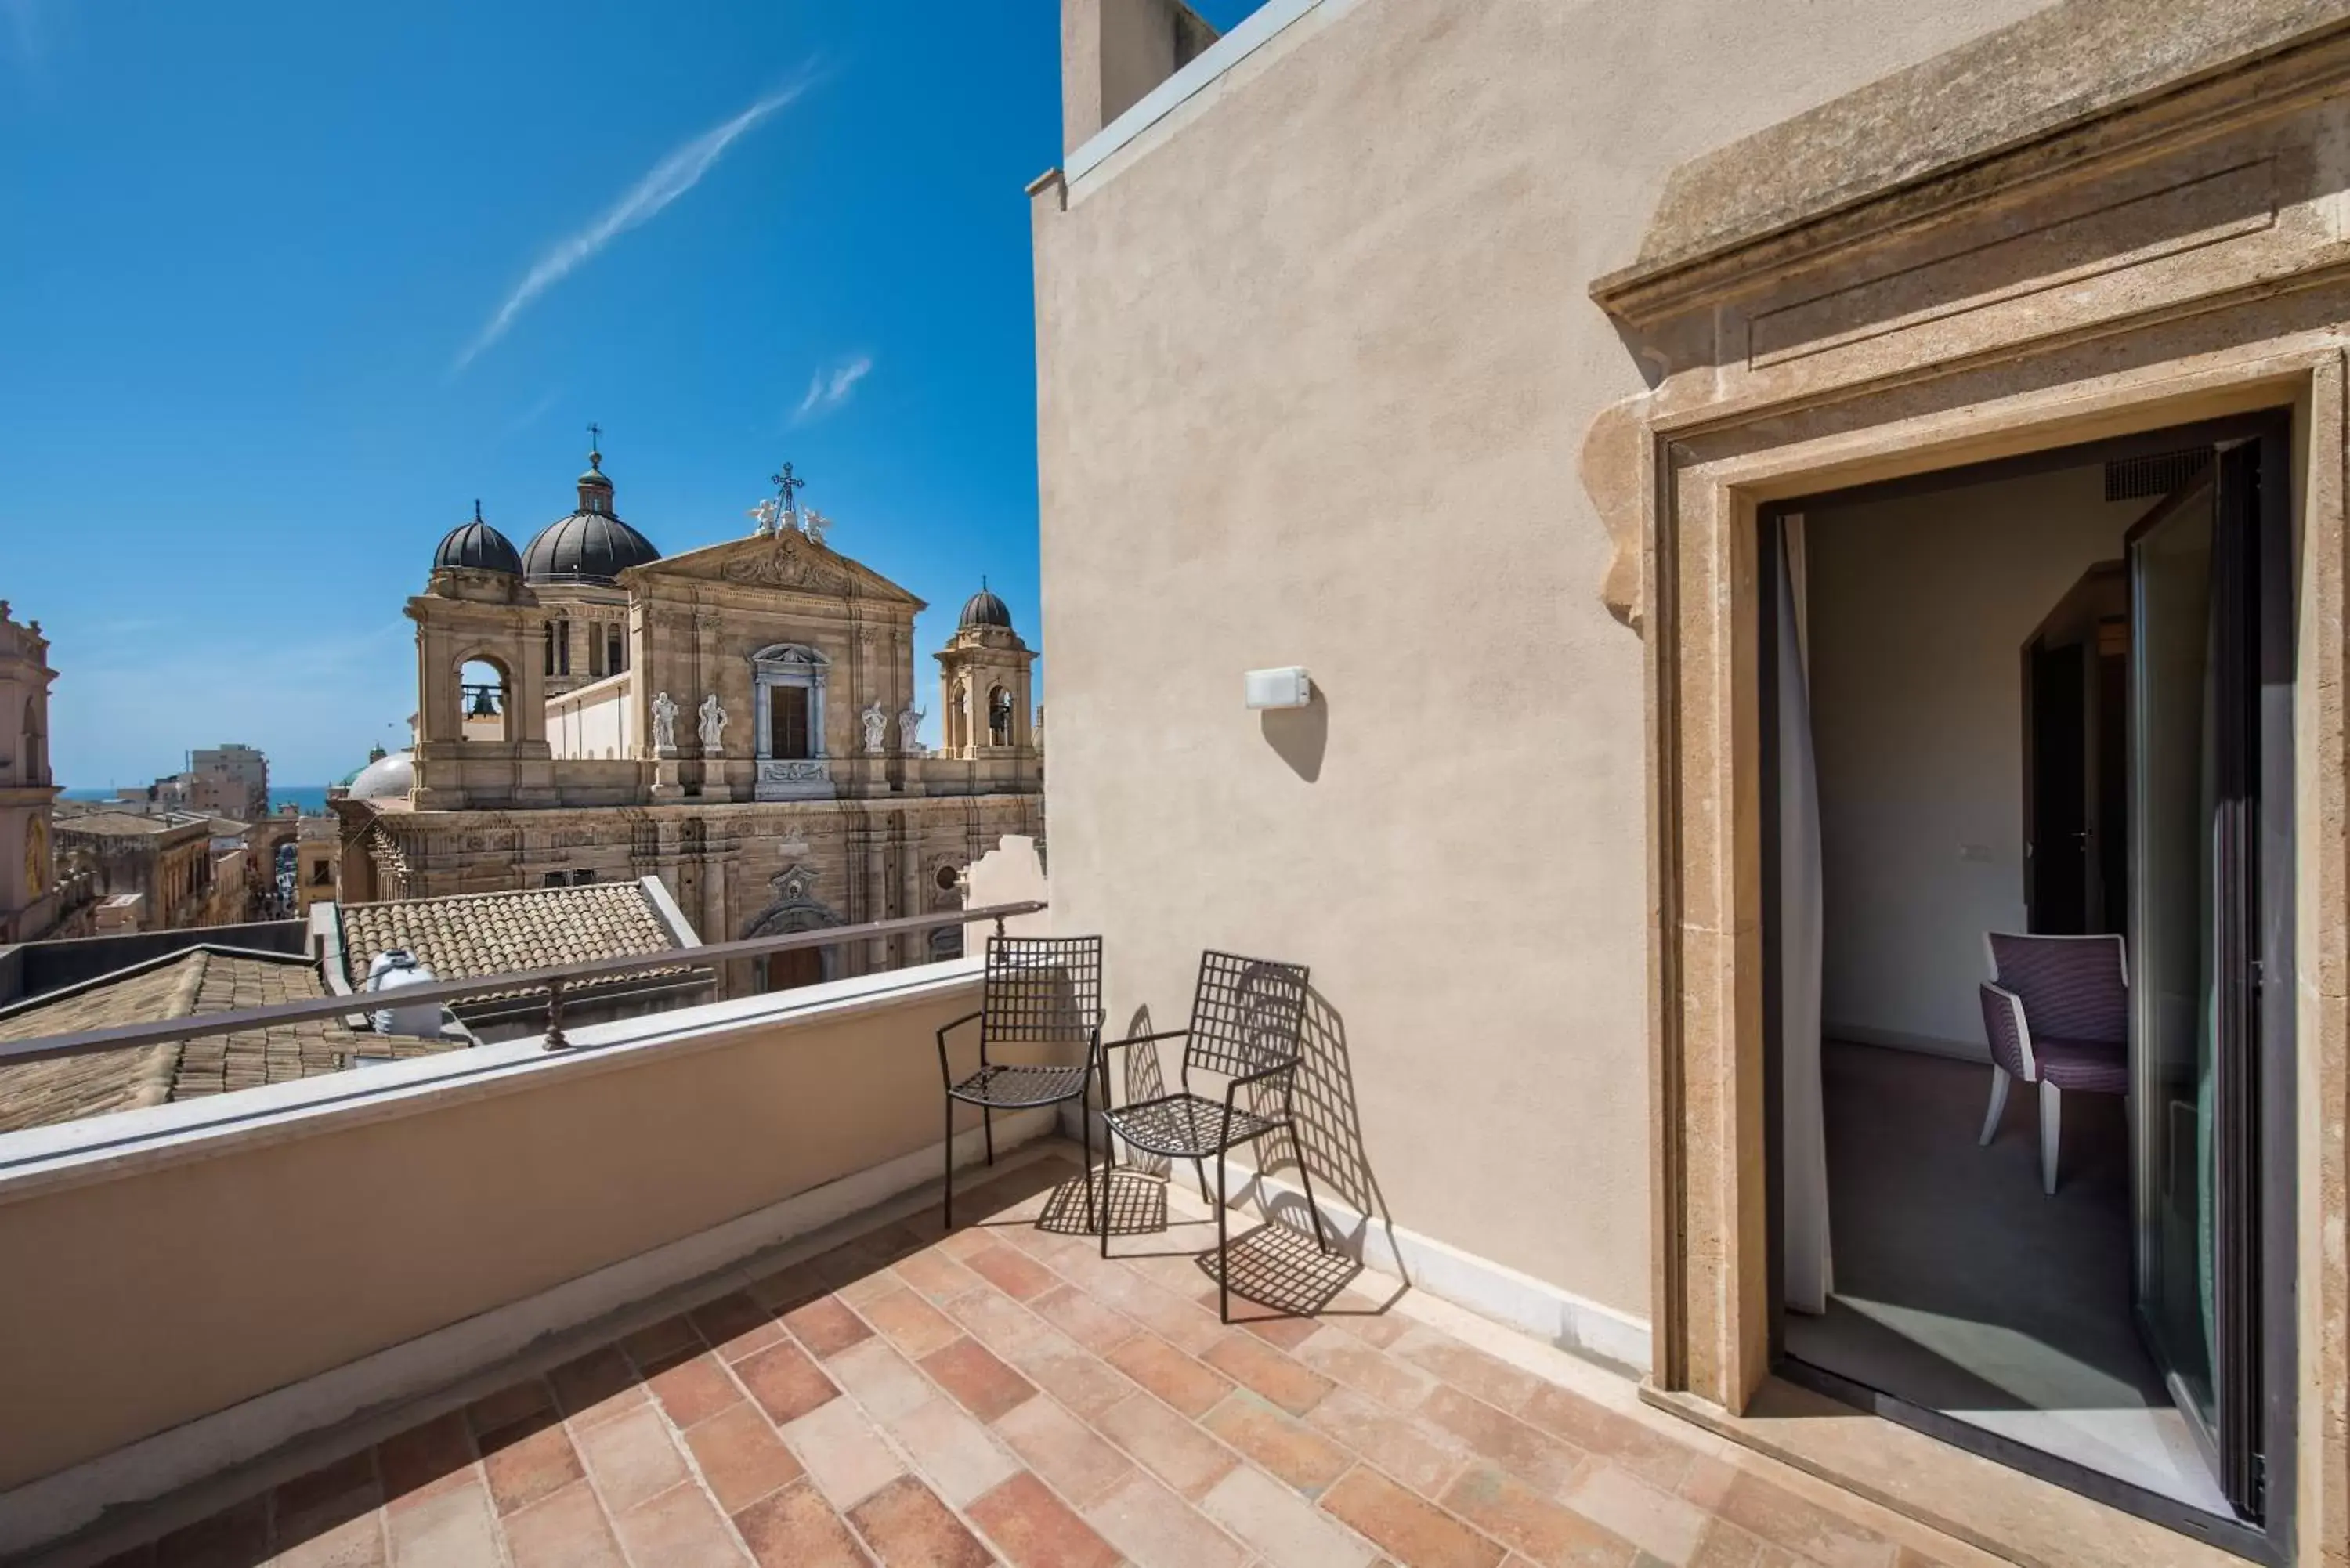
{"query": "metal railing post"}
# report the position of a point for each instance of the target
(555, 1039)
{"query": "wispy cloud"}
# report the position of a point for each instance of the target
(668, 180)
(827, 389)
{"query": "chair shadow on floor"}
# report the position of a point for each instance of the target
(1276, 1263)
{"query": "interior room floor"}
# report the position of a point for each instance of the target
(1962, 1288)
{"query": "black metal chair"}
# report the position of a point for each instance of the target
(1034, 990)
(1247, 1027)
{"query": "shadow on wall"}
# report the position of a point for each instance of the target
(1299, 735)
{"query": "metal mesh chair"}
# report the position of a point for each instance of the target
(1044, 990)
(1248, 1027)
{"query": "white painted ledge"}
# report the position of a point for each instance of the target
(95, 1148)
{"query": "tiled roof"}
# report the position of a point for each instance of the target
(463, 934)
(122, 822)
(202, 979)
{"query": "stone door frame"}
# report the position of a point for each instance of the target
(1705, 475)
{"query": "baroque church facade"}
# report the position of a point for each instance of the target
(741, 721)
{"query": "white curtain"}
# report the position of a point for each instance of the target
(1805, 1163)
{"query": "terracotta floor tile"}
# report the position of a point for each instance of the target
(844, 1452)
(905, 1523)
(1540, 1461)
(632, 1458)
(566, 1529)
(515, 1402)
(1358, 1364)
(1409, 1450)
(694, 1390)
(1034, 1528)
(1074, 1376)
(1494, 1381)
(1179, 1379)
(1375, 1326)
(825, 1326)
(980, 1383)
(1291, 1385)
(1658, 1523)
(952, 1452)
(657, 1344)
(793, 1285)
(1283, 1527)
(1164, 1444)
(599, 1383)
(1508, 1510)
(1181, 1322)
(1724, 1545)
(1017, 1274)
(741, 1456)
(1780, 1518)
(1074, 1460)
(528, 1461)
(435, 1453)
(1083, 1318)
(935, 1275)
(354, 1543)
(1291, 1451)
(1647, 1453)
(994, 1319)
(1156, 1529)
(908, 1322)
(453, 1528)
(880, 1379)
(233, 1538)
(796, 1527)
(961, 1242)
(1412, 1529)
(784, 1382)
(681, 1528)
(313, 1503)
(736, 1325)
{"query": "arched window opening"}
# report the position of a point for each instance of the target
(483, 701)
(595, 653)
(999, 717)
(615, 650)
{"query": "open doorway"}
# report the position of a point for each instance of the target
(2025, 741)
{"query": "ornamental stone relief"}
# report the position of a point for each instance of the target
(790, 565)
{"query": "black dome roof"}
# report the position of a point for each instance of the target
(476, 546)
(586, 548)
(983, 608)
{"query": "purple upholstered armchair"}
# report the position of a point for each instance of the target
(2057, 1013)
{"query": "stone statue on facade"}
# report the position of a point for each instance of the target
(909, 731)
(664, 723)
(813, 523)
(876, 725)
(714, 725)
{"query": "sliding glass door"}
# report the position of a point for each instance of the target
(2212, 1049)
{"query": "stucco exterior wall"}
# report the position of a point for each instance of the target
(1315, 362)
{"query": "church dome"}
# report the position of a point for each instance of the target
(387, 778)
(591, 545)
(983, 608)
(476, 546)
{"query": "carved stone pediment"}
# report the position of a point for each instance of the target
(789, 560)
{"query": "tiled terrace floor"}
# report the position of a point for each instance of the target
(999, 1394)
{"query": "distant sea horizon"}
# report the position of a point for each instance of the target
(310, 799)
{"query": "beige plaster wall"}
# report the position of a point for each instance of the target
(1316, 361)
(1918, 609)
(221, 1278)
(594, 721)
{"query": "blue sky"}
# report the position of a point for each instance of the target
(284, 287)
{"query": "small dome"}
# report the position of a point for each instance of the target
(586, 548)
(476, 546)
(983, 608)
(387, 778)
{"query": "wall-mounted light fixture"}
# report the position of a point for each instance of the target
(1290, 687)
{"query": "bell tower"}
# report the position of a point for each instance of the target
(29, 899)
(984, 678)
(481, 686)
